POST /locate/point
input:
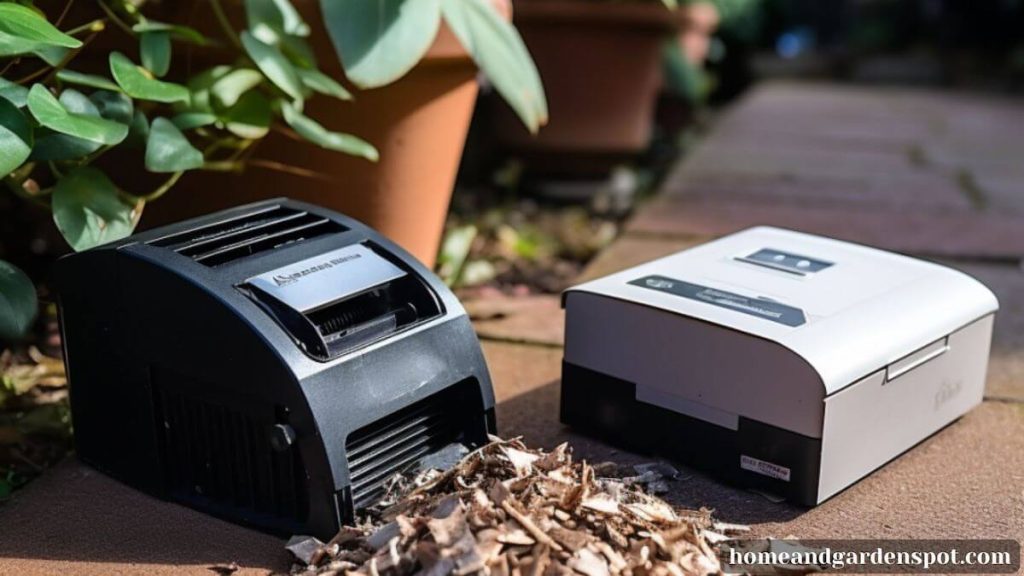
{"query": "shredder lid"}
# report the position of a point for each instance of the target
(847, 309)
(329, 277)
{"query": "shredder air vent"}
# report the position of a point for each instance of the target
(398, 441)
(237, 238)
(222, 457)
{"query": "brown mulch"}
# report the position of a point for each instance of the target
(509, 509)
(35, 420)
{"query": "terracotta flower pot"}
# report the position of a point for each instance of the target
(418, 125)
(601, 67)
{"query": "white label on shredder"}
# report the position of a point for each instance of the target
(329, 277)
(764, 468)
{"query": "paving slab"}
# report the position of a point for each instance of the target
(535, 319)
(917, 190)
(917, 171)
(630, 250)
(992, 236)
(74, 520)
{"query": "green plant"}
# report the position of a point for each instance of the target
(379, 41)
(58, 125)
(57, 122)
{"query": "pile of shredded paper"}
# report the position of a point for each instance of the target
(508, 509)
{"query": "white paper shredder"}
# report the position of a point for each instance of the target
(780, 360)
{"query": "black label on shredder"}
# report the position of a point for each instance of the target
(753, 306)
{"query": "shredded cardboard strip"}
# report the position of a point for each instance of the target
(507, 509)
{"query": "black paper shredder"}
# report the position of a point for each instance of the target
(274, 364)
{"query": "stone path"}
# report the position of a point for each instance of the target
(932, 174)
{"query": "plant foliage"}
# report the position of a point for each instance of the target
(56, 121)
(379, 41)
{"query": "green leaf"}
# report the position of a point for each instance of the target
(55, 116)
(14, 93)
(298, 51)
(167, 149)
(317, 134)
(114, 106)
(317, 81)
(52, 55)
(178, 32)
(52, 145)
(12, 45)
(454, 251)
(77, 103)
(138, 132)
(191, 120)
(230, 87)
(18, 302)
(250, 118)
(273, 64)
(499, 51)
(138, 83)
(24, 30)
(269, 20)
(90, 80)
(15, 137)
(88, 210)
(155, 51)
(379, 41)
(680, 77)
(199, 86)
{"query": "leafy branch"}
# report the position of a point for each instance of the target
(56, 122)
(60, 121)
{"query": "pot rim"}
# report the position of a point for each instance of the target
(650, 15)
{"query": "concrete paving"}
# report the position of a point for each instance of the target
(930, 174)
(913, 171)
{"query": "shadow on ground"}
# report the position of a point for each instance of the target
(534, 416)
(78, 515)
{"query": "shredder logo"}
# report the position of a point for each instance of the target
(659, 283)
(293, 277)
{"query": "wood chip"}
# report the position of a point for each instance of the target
(529, 526)
(508, 510)
(589, 564)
